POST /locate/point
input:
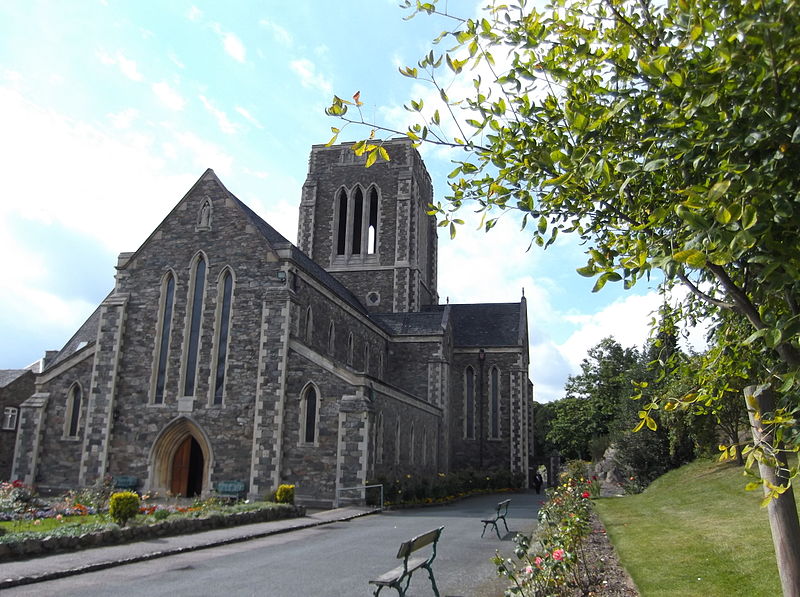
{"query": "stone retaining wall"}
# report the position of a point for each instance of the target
(115, 535)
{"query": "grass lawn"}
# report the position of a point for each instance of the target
(48, 524)
(694, 531)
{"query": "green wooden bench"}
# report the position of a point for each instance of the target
(500, 514)
(400, 577)
(126, 482)
(230, 490)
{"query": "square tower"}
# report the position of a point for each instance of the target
(369, 227)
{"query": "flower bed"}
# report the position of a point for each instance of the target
(40, 527)
(555, 562)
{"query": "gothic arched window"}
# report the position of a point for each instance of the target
(469, 403)
(350, 344)
(309, 333)
(356, 222)
(224, 300)
(331, 339)
(309, 415)
(494, 403)
(72, 415)
(195, 322)
(379, 440)
(163, 337)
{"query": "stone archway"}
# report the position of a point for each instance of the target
(180, 460)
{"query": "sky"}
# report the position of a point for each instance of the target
(110, 110)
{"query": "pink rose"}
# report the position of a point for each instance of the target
(538, 561)
(528, 570)
(558, 555)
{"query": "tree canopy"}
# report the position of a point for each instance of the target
(664, 135)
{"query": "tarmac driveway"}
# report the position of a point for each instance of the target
(333, 560)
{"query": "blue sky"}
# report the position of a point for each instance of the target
(111, 110)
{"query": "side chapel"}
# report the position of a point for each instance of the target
(225, 352)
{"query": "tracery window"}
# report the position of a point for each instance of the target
(224, 301)
(72, 415)
(195, 322)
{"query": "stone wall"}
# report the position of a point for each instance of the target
(12, 395)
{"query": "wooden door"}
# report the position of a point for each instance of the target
(180, 468)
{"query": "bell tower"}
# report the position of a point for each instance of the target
(369, 227)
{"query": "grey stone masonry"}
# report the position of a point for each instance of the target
(352, 458)
(100, 409)
(31, 426)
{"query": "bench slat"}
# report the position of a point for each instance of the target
(393, 575)
(418, 542)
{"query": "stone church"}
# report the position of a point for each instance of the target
(225, 352)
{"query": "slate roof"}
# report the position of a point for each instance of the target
(410, 324)
(8, 376)
(86, 333)
(277, 241)
(484, 324)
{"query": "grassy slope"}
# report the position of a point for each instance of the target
(694, 531)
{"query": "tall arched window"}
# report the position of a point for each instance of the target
(309, 413)
(341, 224)
(380, 364)
(195, 322)
(309, 331)
(397, 443)
(425, 447)
(494, 403)
(411, 453)
(356, 222)
(469, 403)
(331, 339)
(350, 344)
(366, 358)
(225, 297)
(163, 337)
(372, 229)
(379, 440)
(72, 416)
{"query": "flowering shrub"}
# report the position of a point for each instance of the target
(555, 562)
(284, 494)
(123, 506)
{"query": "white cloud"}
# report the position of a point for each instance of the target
(126, 66)
(231, 43)
(168, 96)
(194, 14)
(175, 60)
(225, 125)
(205, 154)
(124, 119)
(309, 77)
(249, 117)
(281, 35)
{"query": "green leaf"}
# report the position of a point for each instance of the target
(691, 257)
(606, 277)
(718, 190)
(627, 166)
(542, 225)
(654, 165)
(587, 271)
(749, 217)
(372, 156)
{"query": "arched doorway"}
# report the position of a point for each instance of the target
(180, 459)
(187, 469)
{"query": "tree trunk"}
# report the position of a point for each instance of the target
(782, 511)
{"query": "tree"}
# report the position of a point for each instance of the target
(595, 399)
(663, 135)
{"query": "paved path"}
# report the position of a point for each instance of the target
(323, 555)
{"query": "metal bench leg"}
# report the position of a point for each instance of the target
(504, 524)
(433, 580)
(496, 530)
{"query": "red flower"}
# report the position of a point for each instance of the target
(586, 495)
(558, 555)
